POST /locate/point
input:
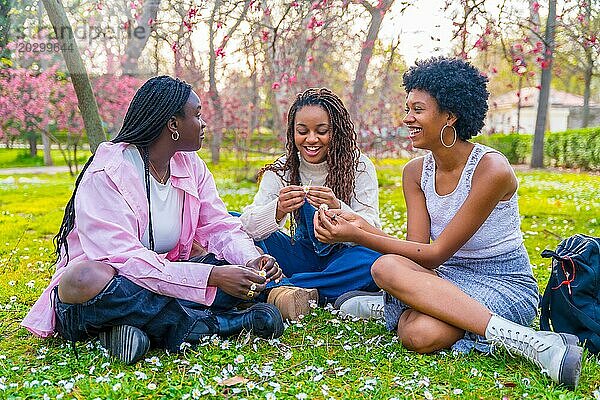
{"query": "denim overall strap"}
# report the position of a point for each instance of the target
(306, 230)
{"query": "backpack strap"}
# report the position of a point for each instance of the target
(545, 305)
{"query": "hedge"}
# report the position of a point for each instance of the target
(575, 148)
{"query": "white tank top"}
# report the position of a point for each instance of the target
(166, 204)
(500, 233)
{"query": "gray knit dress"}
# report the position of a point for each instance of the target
(492, 267)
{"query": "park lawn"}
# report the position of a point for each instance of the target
(15, 158)
(322, 356)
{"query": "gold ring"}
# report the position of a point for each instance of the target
(250, 293)
(253, 286)
(333, 217)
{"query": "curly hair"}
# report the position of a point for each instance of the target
(343, 153)
(159, 99)
(457, 86)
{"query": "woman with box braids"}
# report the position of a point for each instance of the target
(155, 102)
(128, 269)
(322, 167)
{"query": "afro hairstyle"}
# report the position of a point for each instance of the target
(457, 86)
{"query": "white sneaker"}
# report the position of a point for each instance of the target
(361, 304)
(555, 353)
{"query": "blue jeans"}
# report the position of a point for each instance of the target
(331, 269)
(167, 321)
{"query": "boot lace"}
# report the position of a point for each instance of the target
(520, 343)
(376, 311)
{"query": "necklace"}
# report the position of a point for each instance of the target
(162, 180)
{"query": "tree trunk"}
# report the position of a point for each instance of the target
(139, 37)
(589, 69)
(215, 98)
(32, 140)
(587, 92)
(47, 150)
(537, 156)
(5, 6)
(79, 76)
(377, 14)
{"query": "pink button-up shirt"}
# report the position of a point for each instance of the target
(111, 215)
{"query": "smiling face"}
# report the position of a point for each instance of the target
(424, 119)
(312, 133)
(191, 125)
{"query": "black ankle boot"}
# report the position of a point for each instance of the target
(263, 320)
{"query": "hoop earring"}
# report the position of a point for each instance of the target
(175, 135)
(442, 136)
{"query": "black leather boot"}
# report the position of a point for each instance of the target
(263, 320)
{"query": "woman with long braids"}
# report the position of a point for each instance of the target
(323, 167)
(141, 204)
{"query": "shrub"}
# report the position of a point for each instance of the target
(575, 148)
(516, 147)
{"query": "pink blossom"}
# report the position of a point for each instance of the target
(275, 85)
(220, 52)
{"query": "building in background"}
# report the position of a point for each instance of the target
(565, 112)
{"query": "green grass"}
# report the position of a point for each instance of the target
(16, 158)
(323, 356)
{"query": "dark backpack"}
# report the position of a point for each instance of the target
(571, 301)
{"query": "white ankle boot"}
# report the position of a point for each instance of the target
(557, 354)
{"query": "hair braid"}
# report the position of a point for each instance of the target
(343, 153)
(159, 99)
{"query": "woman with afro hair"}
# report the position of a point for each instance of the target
(462, 278)
(322, 168)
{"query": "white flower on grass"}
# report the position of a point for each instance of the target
(526, 381)
(287, 355)
(276, 386)
(196, 394)
(12, 283)
(140, 375)
(302, 396)
(475, 372)
(251, 385)
(30, 284)
(596, 394)
(154, 361)
(120, 375)
(270, 396)
(69, 386)
(457, 391)
(318, 377)
(184, 345)
(116, 387)
(239, 359)
(427, 394)
(225, 344)
(151, 386)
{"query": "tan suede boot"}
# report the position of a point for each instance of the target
(292, 301)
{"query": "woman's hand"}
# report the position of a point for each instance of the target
(290, 199)
(332, 227)
(318, 195)
(238, 281)
(266, 264)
